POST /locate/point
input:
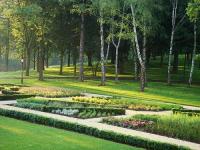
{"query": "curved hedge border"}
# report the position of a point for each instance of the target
(14, 96)
(107, 135)
(187, 112)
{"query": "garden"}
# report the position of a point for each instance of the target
(117, 111)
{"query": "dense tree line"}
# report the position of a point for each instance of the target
(106, 31)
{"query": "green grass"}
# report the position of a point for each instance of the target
(19, 135)
(177, 93)
(156, 91)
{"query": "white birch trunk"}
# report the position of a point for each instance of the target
(138, 50)
(194, 54)
(174, 15)
(103, 71)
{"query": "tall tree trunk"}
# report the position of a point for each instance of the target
(34, 59)
(144, 54)
(74, 63)
(47, 57)
(61, 61)
(40, 64)
(89, 60)
(69, 58)
(107, 52)
(7, 47)
(142, 79)
(117, 46)
(38, 59)
(174, 14)
(103, 70)
(135, 65)
(194, 54)
(116, 63)
(28, 60)
(81, 54)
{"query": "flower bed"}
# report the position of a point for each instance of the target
(50, 92)
(168, 125)
(78, 112)
(139, 105)
(126, 123)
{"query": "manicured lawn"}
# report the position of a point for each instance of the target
(177, 93)
(20, 135)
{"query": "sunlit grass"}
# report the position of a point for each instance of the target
(20, 135)
(177, 93)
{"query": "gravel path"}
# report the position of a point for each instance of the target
(95, 124)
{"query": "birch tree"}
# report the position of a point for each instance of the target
(118, 36)
(193, 13)
(174, 18)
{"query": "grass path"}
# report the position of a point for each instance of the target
(19, 135)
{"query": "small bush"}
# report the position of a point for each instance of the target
(14, 97)
(187, 112)
(15, 88)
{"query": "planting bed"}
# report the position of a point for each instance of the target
(50, 92)
(168, 125)
(69, 108)
(11, 92)
(139, 105)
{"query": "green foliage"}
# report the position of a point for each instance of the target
(130, 140)
(187, 112)
(193, 10)
(14, 96)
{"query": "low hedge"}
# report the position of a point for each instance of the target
(107, 135)
(46, 108)
(63, 103)
(187, 112)
(14, 97)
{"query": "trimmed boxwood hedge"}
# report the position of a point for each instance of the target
(107, 135)
(63, 103)
(46, 108)
(187, 112)
(14, 97)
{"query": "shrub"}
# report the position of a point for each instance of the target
(107, 135)
(14, 97)
(1, 88)
(62, 103)
(9, 92)
(14, 88)
(187, 112)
